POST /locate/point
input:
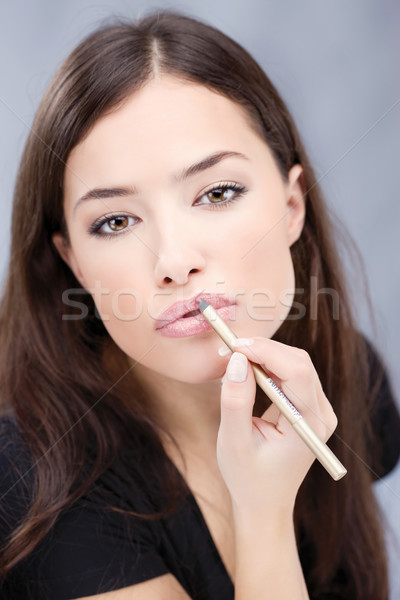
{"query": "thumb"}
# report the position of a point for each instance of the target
(237, 400)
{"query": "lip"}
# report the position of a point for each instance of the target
(171, 322)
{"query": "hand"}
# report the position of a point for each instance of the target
(262, 460)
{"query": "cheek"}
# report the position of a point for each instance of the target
(270, 295)
(125, 316)
(267, 273)
(112, 264)
(263, 252)
(115, 285)
(123, 305)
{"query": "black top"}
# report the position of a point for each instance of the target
(92, 550)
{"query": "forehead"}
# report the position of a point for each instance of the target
(168, 111)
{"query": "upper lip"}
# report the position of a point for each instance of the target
(178, 309)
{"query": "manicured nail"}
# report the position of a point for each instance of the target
(224, 351)
(237, 368)
(243, 342)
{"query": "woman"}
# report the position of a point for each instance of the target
(162, 167)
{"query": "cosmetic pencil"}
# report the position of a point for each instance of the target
(324, 454)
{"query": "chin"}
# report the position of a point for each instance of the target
(212, 370)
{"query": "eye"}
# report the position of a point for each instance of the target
(223, 194)
(117, 224)
(217, 197)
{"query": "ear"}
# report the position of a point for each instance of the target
(65, 251)
(296, 203)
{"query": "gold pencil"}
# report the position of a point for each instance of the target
(300, 425)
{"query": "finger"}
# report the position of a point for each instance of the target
(291, 368)
(237, 400)
(280, 359)
(293, 371)
(224, 351)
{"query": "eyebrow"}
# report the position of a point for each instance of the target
(120, 192)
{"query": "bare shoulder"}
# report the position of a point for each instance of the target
(165, 586)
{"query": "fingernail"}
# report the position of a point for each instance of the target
(243, 342)
(224, 351)
(237, 368)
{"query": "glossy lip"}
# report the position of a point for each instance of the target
(182, 307)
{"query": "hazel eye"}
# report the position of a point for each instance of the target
(112, 225)
(120, 223)
(221, 194)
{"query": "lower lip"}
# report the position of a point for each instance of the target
(194, 325)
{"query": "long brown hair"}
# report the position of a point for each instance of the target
(69, 385)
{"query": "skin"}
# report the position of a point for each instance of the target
(167, 126)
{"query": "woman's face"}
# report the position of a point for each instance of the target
(168, 237)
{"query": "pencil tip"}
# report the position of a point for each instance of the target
(202, 304)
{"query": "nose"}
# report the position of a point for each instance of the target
(179, 258)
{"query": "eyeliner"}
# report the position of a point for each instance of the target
(324, 454)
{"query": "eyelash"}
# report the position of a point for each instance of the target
(240, 190)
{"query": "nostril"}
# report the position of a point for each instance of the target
(169, 279)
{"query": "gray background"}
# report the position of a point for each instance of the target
(335, 63)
